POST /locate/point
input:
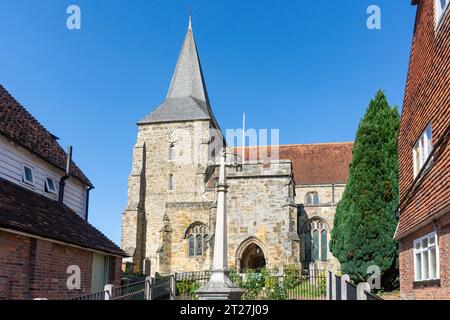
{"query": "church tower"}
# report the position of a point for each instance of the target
(167, 187)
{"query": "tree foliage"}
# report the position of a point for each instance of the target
(365, 219)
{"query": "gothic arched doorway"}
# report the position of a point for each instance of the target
(251, 255)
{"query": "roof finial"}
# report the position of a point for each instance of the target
(190, 16)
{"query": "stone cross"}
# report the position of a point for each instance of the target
(220, 286)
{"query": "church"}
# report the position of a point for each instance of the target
(280, 209)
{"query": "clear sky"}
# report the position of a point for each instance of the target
(308, 68)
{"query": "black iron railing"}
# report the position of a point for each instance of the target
(93, 296)
(133, 291)
(187, 283)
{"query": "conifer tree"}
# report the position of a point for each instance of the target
(365, 219)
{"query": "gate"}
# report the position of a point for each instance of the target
(161, 288)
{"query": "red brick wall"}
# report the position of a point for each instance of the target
(33, 268)
(429, 292)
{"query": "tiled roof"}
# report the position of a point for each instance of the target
(325, 163)
(26, 211)
(187, 99)
(18, 125)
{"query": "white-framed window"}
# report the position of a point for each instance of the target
(426, 258)
(50, 186)
(422, 150)
(441, 6)
(28, 174)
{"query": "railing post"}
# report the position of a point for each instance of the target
(148, 288)
(329, 275)
(173, 286)
(333, 287)
(361, 288)
(344, 279)
(109, 289)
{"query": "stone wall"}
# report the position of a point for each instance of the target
(149, 190)
(261, 210)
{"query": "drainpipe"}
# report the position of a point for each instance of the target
(87, 201)
(62, 181)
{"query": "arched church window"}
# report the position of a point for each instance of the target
(171, 152)
(196, 235)
(316, 240)
(312, 198)
(170, 182)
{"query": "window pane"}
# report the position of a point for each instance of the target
(425, 266)
(433, 264)
(308, 199)
(418, 265)
(191, 246)
(418, 245)
(432, 239)
(425, 243)
(28, 174)
(323, 244)
(308, 246)
(316, 199)
(199, 245)
(316, 244)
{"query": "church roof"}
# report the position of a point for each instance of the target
(187, 99)
(323, 163)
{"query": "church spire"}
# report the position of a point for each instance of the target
(187, 98)
(188, 78)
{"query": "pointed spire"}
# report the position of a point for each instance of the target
(187, 98)
(188, 78)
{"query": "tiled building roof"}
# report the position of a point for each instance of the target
(18, 125)
(31, 213)
(326, 163)
(187, 99)
(426, 102)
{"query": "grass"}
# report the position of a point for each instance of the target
(306, 290)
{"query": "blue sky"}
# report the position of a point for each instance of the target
(308, 68)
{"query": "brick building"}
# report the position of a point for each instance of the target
(424, 158)
(44, 233)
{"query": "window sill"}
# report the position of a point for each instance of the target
(426, 283)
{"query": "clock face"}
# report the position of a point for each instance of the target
(172, 136)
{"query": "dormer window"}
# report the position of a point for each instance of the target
(441, 6)
(28, 175)
(50, 186)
